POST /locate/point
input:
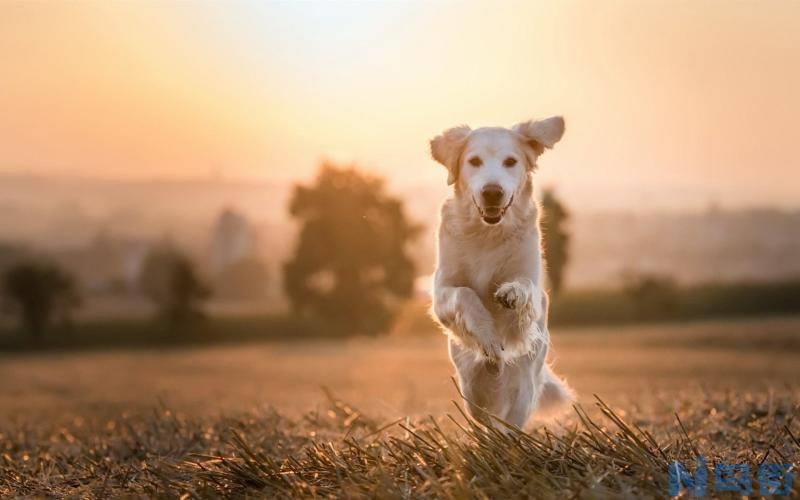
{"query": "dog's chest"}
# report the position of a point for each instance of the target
(487, 267)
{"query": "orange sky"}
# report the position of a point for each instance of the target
(672, 103)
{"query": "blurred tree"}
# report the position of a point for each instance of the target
(39, 292)
(171, 281)
(244, 279)
(555, 238)
(10, 254)
(350, 267)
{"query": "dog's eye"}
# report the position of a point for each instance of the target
(510, 162)
(475, 161)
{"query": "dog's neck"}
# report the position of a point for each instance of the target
(460, 217)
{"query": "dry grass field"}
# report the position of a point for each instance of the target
(371, 417)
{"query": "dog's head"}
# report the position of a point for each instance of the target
(491, 165)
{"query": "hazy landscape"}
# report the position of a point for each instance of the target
(65, 216)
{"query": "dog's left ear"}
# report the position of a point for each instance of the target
(541, 134)
(447, 147)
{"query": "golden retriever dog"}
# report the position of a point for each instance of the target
(487, 291)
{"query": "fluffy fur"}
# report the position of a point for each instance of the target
(488, 291)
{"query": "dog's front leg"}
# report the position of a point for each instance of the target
(530, 303)
(461, 311)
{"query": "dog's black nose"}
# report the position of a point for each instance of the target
(492, 195)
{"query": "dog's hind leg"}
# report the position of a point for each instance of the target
(479, 381)
(521, 392)
(556, 395)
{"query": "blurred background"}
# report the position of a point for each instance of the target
(232, 204)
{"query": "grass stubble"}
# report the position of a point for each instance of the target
(597, 451)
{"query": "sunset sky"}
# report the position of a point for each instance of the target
(674, 103)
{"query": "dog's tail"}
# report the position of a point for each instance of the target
(556, 395)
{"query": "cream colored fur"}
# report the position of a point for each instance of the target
(488, 291)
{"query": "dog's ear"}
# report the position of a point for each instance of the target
(541, 134)
(447, 147)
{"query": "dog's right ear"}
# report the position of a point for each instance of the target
(541, 134)
(447, 148)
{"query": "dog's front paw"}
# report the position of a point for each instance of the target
(492, 350)
(511, 295)
(477, 333)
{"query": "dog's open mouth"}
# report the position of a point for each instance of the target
(493, 215)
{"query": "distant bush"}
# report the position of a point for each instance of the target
(38, 293)
(653, 299)
(171, 281)
(653, 296)
(740, 299)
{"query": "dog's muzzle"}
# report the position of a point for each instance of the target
(492, 215)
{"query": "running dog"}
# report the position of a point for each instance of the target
(487, 291)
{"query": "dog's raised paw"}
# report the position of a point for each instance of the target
(508, 295)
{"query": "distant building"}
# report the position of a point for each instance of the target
(233, 239)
